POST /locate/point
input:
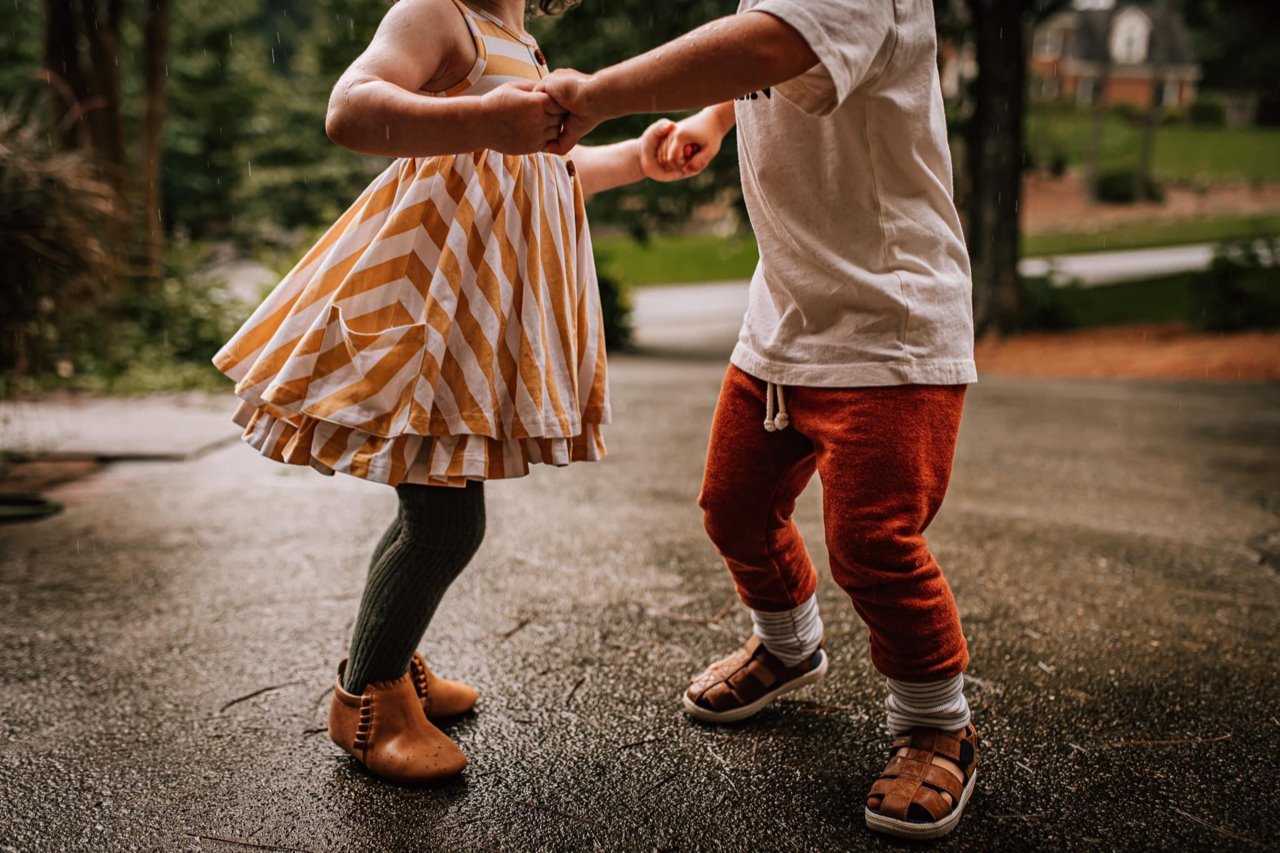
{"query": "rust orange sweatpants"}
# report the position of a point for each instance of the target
(884, 457)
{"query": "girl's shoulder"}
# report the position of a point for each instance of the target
(435, 28)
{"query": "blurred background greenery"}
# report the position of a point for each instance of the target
(146, 147)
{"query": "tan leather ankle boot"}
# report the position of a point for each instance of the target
(441, 698)
(386, 730)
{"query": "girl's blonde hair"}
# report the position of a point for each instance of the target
(537, 8)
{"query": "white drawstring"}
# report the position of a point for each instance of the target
(779, 422)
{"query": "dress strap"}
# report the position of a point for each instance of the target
(482, 54)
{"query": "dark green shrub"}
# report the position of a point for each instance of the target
(1129, 112)
(1046, 308)
(57, 268)
(616, 308)
(1208, 112)
(1058, 163)
(1241, 289)
(1119, 187)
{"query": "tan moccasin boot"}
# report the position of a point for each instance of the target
(386, 730)
(440, 697)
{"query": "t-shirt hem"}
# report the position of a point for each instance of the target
(857, 375)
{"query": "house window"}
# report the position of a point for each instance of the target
(1048, 43)
(1130, 37)
(1085, 91)
(1172, 94)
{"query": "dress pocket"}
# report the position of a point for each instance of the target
(366, 380)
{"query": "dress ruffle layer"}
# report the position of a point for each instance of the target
(447, 328)
(449, 460)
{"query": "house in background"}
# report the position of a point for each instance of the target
(1148, 47)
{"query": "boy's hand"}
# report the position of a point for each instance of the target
(652, 141)
(693, 144)
(569, 89)
(519, 120)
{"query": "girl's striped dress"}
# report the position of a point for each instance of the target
(447, 328)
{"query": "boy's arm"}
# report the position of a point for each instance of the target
(715, 63)
(377, 106)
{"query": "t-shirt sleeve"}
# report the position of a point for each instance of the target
(852, 38)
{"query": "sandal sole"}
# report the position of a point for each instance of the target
(735, 715)
(922, 831)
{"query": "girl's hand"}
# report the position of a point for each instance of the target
(571, 90)
(693, 144)
(519, 120)
(651, 144)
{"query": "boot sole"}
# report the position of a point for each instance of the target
(922, 831)
(735, 715)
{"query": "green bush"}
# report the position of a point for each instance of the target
(1208, 112)
(616, 308)
(1241, 289)
(1046, 308)
(1118, 187)
(1058, 163)
(57, 269)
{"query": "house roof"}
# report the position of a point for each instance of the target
(1089, 42)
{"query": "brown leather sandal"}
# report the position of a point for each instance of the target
(742, 684)
(441, 698)
(911, 788)
(385, 729)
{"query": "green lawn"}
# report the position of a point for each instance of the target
(1146, 235)
(698, 258)
(684, 258)
(1183, 154)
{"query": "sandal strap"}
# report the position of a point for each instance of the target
(739, 679)
(898, 796)
(925, 771)
(911, 778)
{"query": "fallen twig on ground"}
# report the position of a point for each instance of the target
(982, 683)
(310, 732)
(1173, 742)
(724, 611)
(241, 843)
(511, 632)
(248, 696)
(650, 739)
(1219, 829)
(664, 780)
(1034, 816)
(573, 691)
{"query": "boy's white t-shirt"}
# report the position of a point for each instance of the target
(863, 277)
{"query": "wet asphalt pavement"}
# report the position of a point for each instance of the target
(168, 643)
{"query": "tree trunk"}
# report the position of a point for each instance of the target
(106, 121)
(1143, 179)
(155, 110)
(995, 154)
(68, 89)
(1099, 110)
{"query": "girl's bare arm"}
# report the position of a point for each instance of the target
(377, 106)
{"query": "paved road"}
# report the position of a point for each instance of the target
(167, 644)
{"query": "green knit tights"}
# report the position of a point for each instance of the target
(435, 533)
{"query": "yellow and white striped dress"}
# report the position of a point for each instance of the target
(447, 328)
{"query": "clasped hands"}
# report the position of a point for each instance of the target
(554, 114)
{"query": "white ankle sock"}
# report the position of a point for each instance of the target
(791, 636)
(938, 704)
